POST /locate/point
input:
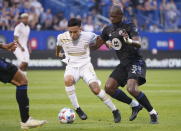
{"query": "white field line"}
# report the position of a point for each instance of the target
(163, 91)
(163, 85)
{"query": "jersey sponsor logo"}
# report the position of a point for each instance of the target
(116, 44)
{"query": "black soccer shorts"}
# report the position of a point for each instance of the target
(7, 71)
(136, 70)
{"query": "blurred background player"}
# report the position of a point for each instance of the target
(123, 37)
(21, 35)
(9, 73)
(75, 44)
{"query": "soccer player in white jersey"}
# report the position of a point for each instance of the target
(75, 44)
(21, 35)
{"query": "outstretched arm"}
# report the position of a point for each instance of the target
(10, 46)
(99, 42)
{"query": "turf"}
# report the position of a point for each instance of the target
(47, 97)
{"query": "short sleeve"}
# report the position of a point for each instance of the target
(104, 35)
(59, 43)
(133, 30)
(17, 31)
(93, 38)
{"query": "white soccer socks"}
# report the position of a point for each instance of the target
(72, 96)
(134, 103)
(153, 111)
(105, 98)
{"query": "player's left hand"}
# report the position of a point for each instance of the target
(11, 46)
(126, 38)
(124, 34)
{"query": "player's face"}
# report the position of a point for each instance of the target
(74, 32)
(115, 17)
(24, 20)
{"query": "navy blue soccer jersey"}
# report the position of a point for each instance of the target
(125, 53)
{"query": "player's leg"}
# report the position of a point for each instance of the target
(21, 94)
(23, 66)
(136, 77)
(25, 60)
(22, 58)
(89, 76)
(95, 88)
(118, 77)
(21, 83)
(70, 77)
(10, 73)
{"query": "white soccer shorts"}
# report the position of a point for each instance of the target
(86, 72)
(22, 56)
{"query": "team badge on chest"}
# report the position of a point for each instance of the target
(116, 44)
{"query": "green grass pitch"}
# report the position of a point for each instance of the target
(47, 97)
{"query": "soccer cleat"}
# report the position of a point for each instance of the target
(32, 123)
(81, 114)
(135, 111)
(154, 118)
(117, 116)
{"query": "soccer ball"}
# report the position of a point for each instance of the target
(66, 115)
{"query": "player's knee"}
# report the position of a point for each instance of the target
(69, 81)
(22, 81)
(132, 89)
(23, 66)
(95, 88)
(109, 89)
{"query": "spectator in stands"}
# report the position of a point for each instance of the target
(105, 6)
(97, 6)
(55, 23)
(37, 6)
(4, 22)
(46, 20)
(154, 28)
(172, 16)
(63, 24)
(33, 18)
(89, 24)
(151, 11)
(150, 5)
(163, 8)
(138, 4)
(143, 12)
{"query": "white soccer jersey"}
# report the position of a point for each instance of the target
(77, 52)
(22, 31)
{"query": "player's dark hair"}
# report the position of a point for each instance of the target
(74, 22)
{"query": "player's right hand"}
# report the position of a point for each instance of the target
(60, 55)
(22, 49)
(11, 46)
